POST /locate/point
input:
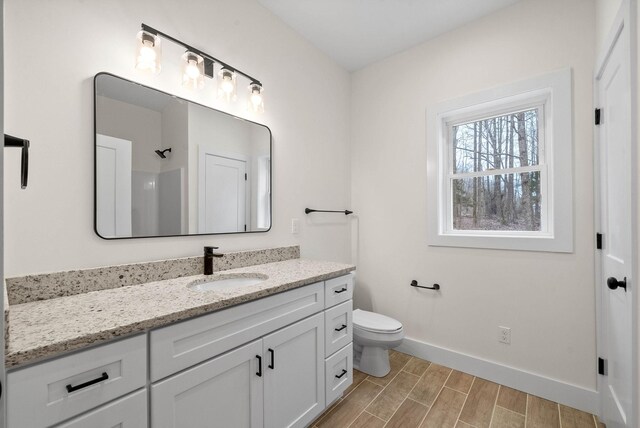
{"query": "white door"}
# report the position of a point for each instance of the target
(220, 393)
(113, 186)
(294, 374)
(615, 162)
(222, 193)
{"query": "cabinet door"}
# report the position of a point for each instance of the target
(127, 412)
(294, 374)
(224, 392)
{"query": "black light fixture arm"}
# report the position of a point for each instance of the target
(309, 210)
(205, 55)
(21, 143)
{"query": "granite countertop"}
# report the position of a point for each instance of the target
(47, 328)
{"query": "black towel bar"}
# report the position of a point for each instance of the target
(10, 141)
(309, 210)
(414, 283)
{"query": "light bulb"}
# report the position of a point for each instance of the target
(192, 70)
(227, 85)
(148, 52)
(256, 98)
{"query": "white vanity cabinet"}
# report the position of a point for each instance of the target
(274, 362)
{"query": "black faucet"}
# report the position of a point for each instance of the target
(209, 254)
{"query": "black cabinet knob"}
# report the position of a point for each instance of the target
(613, 283)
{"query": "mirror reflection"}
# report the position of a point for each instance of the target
(165, 166)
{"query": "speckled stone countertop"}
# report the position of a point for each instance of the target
(47, 328)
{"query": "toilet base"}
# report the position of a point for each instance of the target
(372, 360)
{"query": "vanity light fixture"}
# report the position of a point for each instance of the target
(148, 52)
(256, 98)
(196, 65)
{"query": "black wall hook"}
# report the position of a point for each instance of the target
(414, 283)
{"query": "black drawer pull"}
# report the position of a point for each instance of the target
(104, 377)
(273, 359)
(341, 328)
(344, 372)
(259, 372)
(340, 291)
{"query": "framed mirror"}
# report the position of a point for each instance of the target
(165, 166)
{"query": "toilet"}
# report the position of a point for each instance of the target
(373, 335)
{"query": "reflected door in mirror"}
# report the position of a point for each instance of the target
(113, 186)
(222, 197)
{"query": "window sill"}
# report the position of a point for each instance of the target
(547, 243)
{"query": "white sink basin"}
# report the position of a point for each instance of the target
(227, 282)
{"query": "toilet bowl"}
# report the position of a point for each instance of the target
(373, 335)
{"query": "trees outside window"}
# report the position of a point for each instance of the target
(496, 172)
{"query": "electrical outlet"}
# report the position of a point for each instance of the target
(504, 335)
(295, 226)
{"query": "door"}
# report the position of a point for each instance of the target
(222, 193)
(615, 158)
(113, 186)
(224, 392)
(294, 374)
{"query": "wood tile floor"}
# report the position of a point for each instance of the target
(420, 394)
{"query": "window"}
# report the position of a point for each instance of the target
(497, 172)
(499, 167)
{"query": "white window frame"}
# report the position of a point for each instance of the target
(551, 93)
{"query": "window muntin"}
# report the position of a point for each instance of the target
(497, 173)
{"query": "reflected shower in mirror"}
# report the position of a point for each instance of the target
(165, 166)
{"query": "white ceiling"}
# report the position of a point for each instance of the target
(356, 33)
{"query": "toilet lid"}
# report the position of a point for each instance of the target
(374, 322)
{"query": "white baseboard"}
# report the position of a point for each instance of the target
(554, 390)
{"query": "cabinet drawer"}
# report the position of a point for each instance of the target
(338, 327)
(39, 395)
(338, 290)
(185, 344)
(127, 412)
(339, 373)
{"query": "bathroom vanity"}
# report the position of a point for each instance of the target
(270, 354)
